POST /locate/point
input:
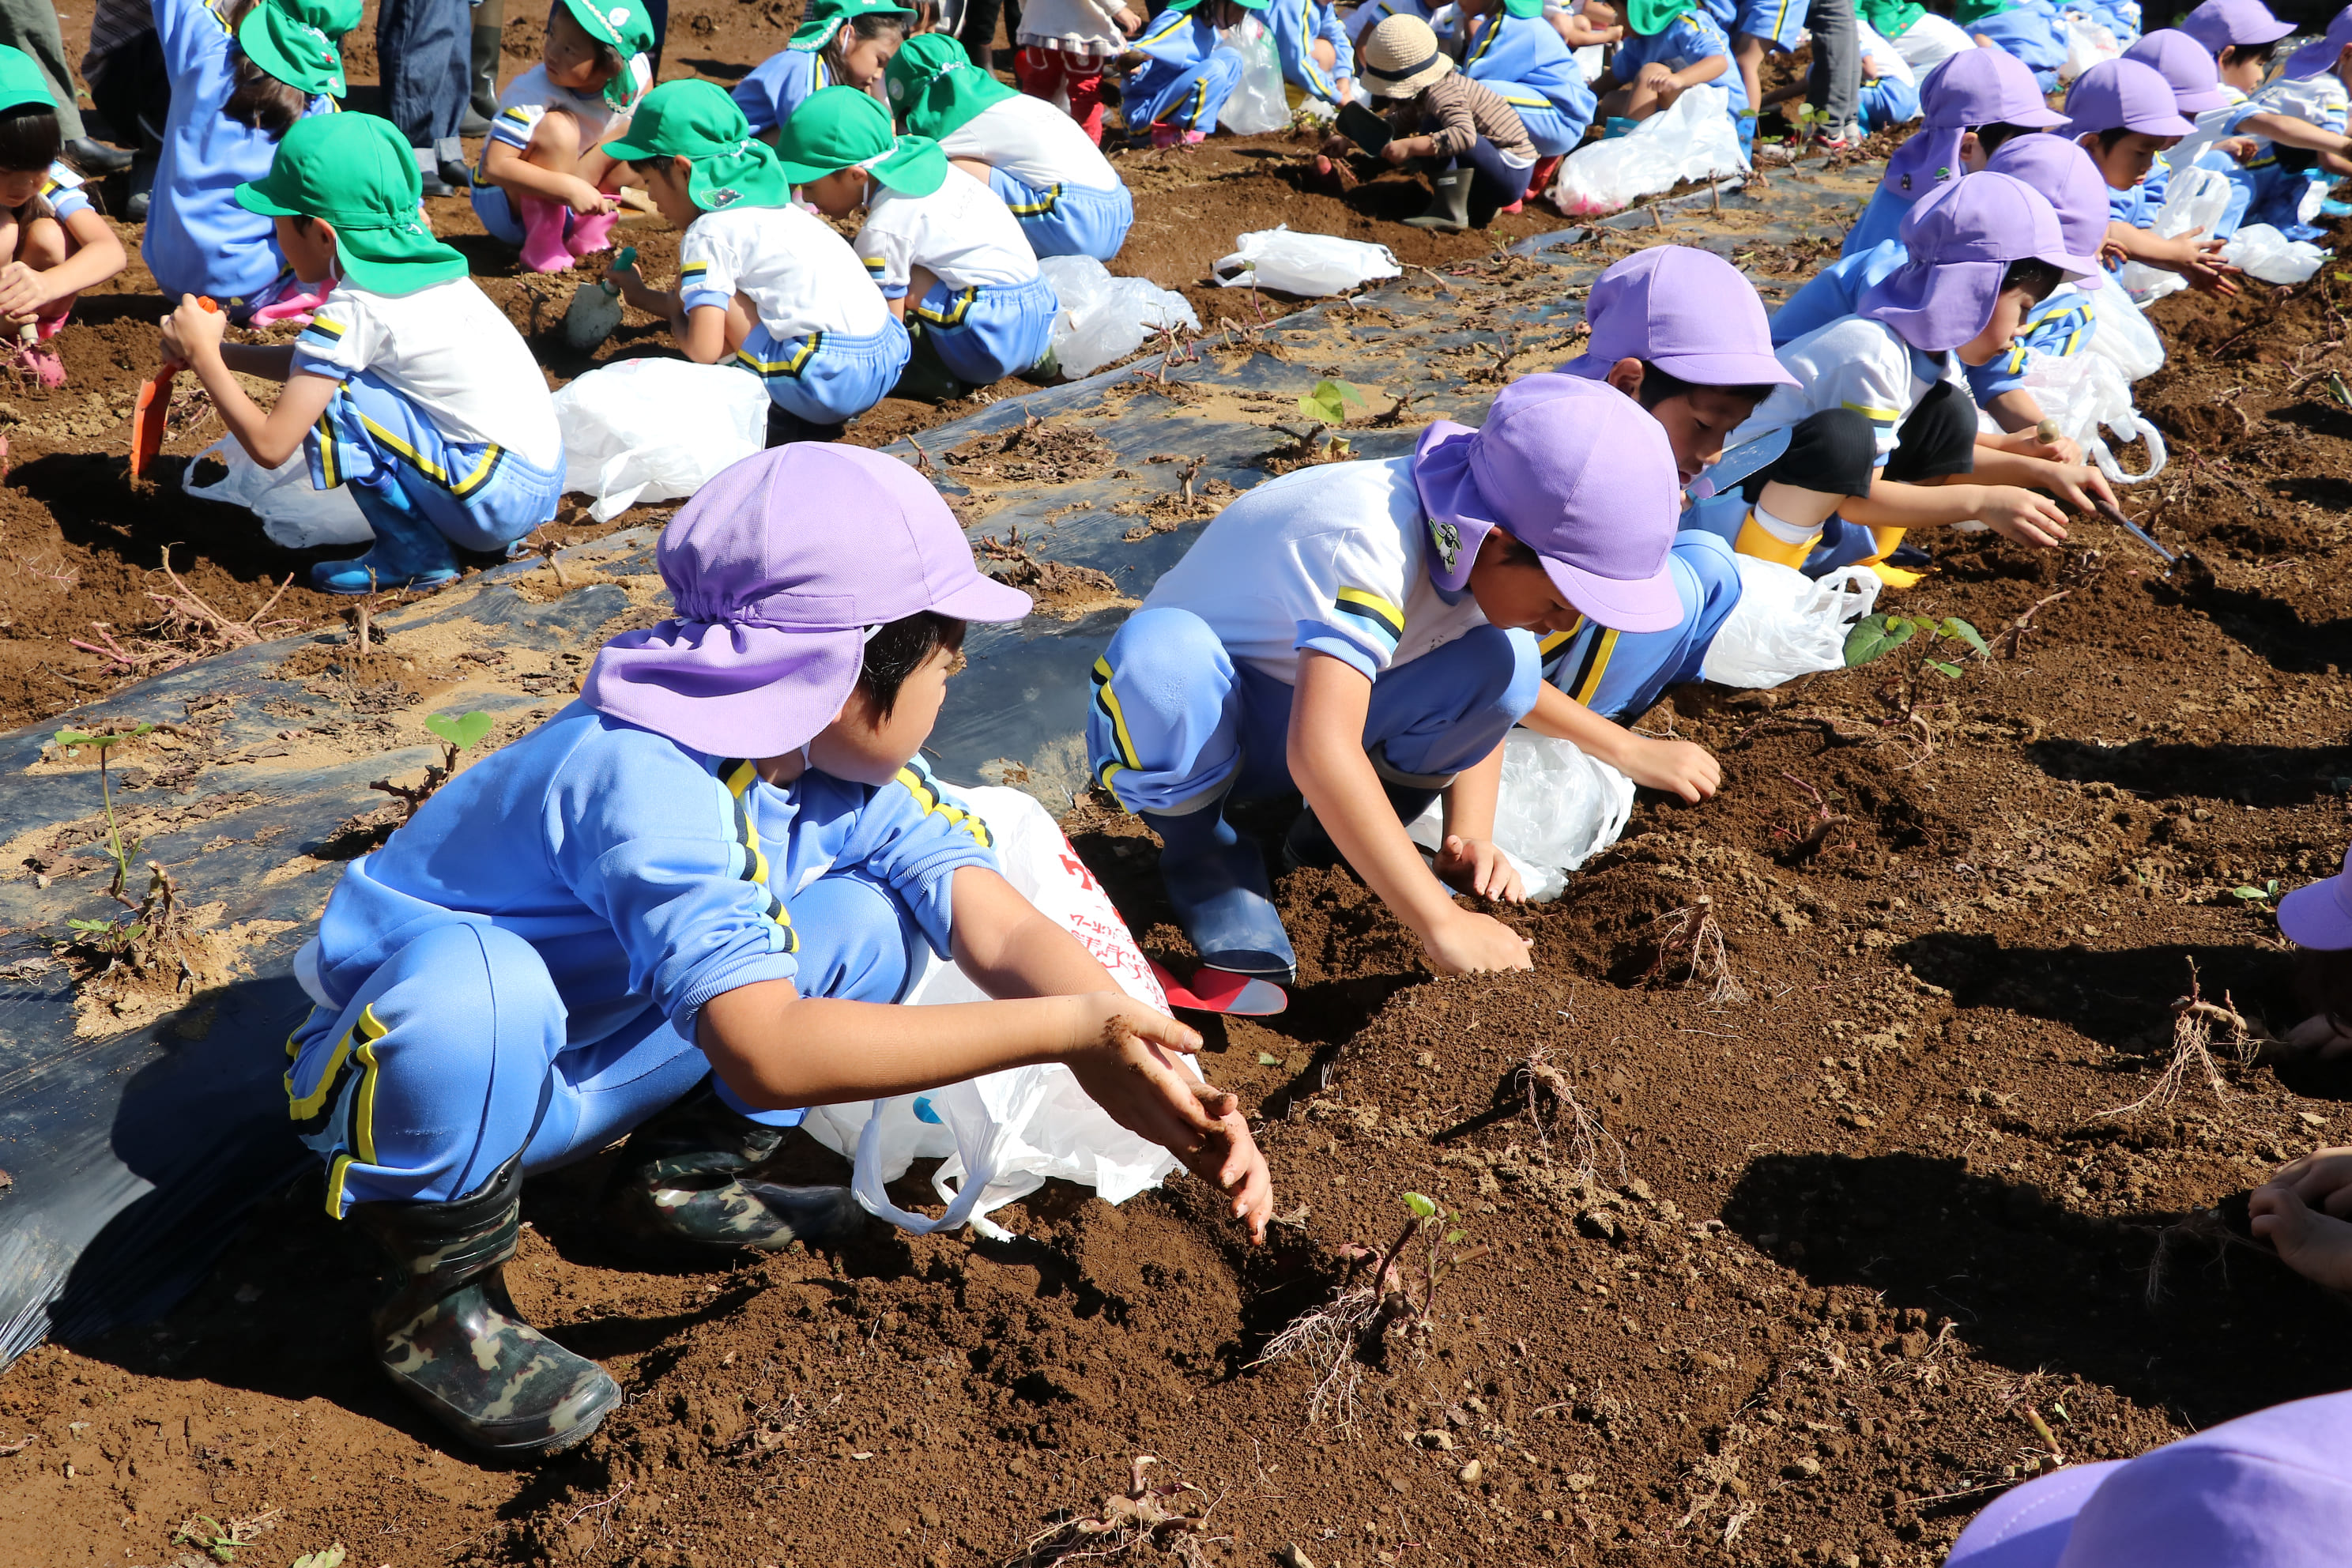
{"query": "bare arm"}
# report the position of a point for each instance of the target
(24, 291)
(2013, 512)
(504, 165)
(193, 335)
(2291, 131)
(1677, 766)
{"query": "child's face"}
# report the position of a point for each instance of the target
(309, 248)
(1516, 593)
(19, 186)
(837, 194)
(666, 184)
(570, 54)
(2126, 162)
(862, 747)
(2240, 69)
(862, 59)
(2008, 317)
(1696, 422)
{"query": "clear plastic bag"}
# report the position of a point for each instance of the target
(1258, 105)
(2196, 198)
(291, 512)
(2087, 44)
(2087, 392)
(1692, 140)
(1305, 264)
(1003, 1136)
(1787, 624)
(2271, 255)
(1558, 809)
(1103, 317)
(656, 429)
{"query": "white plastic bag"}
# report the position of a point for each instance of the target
(1558, 808)
(2086, 392)
(2087, 44)
(1258, 105)
(2268, 255)
(2121, 331)
(2196, 198)
(1929, 41)
(1003, 1135)
(1693, 139)
(656, 429)
(1105, 318)
(1787, 624)
(291, 512)
(1305, 264)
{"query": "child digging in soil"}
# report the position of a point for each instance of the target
(760, 280)
(950, 257)
(54, 243)
(1474, 143)
(539, 183)
(2290, 136)
(1181, 79)
(2241, 36)
(408, 385)
(1671, 47)
(839, 43)
(1508, 46)
(682, 910)
(242, 74)
(1067, 197)
(1968, 106)
(1355, 632)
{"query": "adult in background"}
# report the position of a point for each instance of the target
(32, 25)
(132, 87)
(1835, 86)
(425, 55)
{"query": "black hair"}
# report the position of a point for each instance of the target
(29, 137)
(2033, 275)
(1658, 386)
(1991, 137)
(2239, 54)
(2109, 137)
(900, 650)
(608, 59)
(871, 25)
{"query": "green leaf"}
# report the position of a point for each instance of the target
(1328, 402)
(1875, 634)
(460, 733)
(2344, 278)
(1268, 1059)
(1456, 1236)
(2252, 895)
(73, 736)
(87, 925)
(332, 1557)
(1948, 671)
(1961, 632)
(1422, 1206)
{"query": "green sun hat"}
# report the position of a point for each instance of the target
(1522, 7)
(360, 175)
(935, 87)
(1889, 18)
(297, 41)
(841, 128)
(823, 18)
(1651, 18)
(1977, 10)
(626, 27)
(21, 81)
(697, 122)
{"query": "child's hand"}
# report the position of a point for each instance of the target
(1127, 20)
(21, 293)
(1677, 766)
(1463, 942)
(1395, 153)
(2023, 516)
(1336, 145)
(2026, 444)
(2323, 1037)
(2313, 1241)
(2238, 148)
(588, 201)
(1477, 866)
(2080, 486)
(192, 329)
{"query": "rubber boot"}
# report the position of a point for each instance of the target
(1449, 207)
(1887, 541)
(409, 552)
(142, 182)
(1217, 882)
(1306, 844)
(784, 428)
(543, 226)
(681, 1183)
(1755, 540)
(927, 378)
(592, 233)
(482, 91)
(449, 1338)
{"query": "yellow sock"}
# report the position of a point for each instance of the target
(1757, 540)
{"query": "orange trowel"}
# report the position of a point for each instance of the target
(147, 414)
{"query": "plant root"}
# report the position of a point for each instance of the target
(1140, 1520)
(2192, 1055)
(1588, 1141)
(1692, 940)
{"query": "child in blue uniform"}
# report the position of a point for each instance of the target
(680, 910)
(2030, 30)
(2291, 136)
(1311, 42)
(1358, 633)
(1053, 177)
(839, 43)
(1184, 78)
(940, 246)
(409, 386)
(539, 185)
(761, 282)
(1508, 46)
(1758, 26)
(1968, 106)
(2124, 117)
(1670, 45)
(2241, 36)
(241, 75)
(53, 244)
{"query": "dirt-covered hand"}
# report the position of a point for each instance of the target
(588, 201)
(1397, 152)
(192, 327)
(1477, 865)
(1463, 943)
(2237, 148)
(2022, 515)
(1127, 20)
(1677, 767)
(1336, 146)
(2316, 1245)
(2323, 1036)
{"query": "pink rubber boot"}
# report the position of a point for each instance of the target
(543, 222)
(591, 235)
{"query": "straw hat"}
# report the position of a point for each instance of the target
(1402, 57)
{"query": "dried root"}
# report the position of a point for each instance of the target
(1141, 1520)
(189, 629)
(1588, 1141)
(1691, 939)
(2193, 1018)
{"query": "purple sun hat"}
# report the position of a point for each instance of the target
(2122, 95)
(2218, 24)
(2074, 189)
(2320, 916)
(1962, 238)
(2185, 66)
(776, 597)
(2320, 55)
(1575, 471)
(2273, 1490)
(1983, 85)
(1686, 310)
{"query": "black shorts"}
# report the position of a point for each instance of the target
(1834, 452)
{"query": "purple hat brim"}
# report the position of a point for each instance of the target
(2029, 1526)
(1727, 369)
(986, 599)
(2315, 917)
(727, 689)
(2313, 58)
(2041, 117)
(1622, 605)
(2269, 33)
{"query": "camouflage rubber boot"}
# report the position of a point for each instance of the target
(681, 1182)
(448, 1337)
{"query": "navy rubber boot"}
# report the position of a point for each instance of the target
(1217, 882)
(1308, 844)
(409, 552)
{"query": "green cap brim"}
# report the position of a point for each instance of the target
(21, 81)
(1522, 7)
(293, 51)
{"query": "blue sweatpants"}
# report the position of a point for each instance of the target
(1187, 96)
(1553, 133)
(2273, 195)
(1176, 723)
(825, 377)
(1888, 101)
(1066, 219)
(453, 1056)
(986, 333)
(1619, 675)
(479, 495)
